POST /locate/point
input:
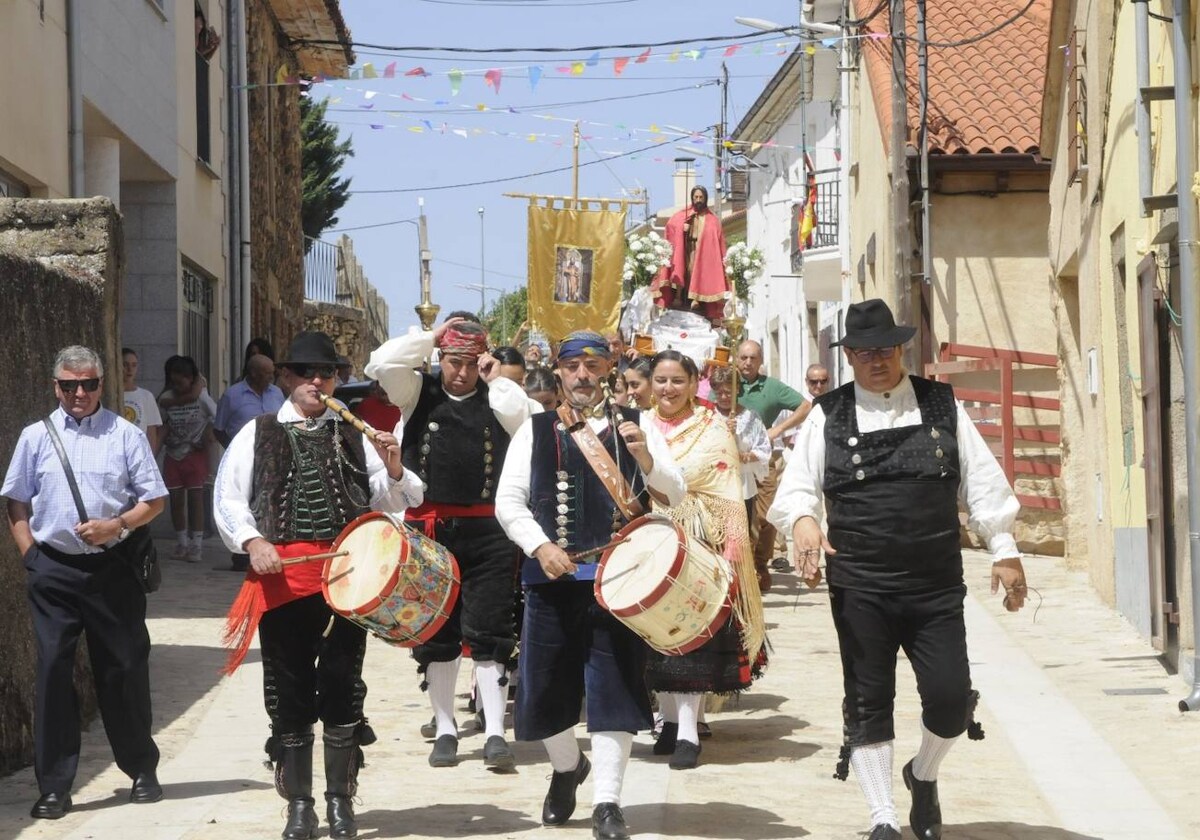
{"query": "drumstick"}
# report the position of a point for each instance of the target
(338, 577)
(308, 558)
(579, 555)
(334, 406)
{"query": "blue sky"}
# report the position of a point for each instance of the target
(399, 157)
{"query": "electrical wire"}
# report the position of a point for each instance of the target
(508, 178)
(528, 4)
(974, 38)
(476, 268)
(611, 171)
(854, 23)
(368, 227)
(341, 45)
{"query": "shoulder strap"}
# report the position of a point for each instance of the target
(62, 456)
(601, 462)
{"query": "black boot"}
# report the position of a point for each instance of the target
(342, 758)
(293, 780)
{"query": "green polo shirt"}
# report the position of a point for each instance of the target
(766, 396)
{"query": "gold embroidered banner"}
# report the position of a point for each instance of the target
(575, 262)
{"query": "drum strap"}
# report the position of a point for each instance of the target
(601, 462)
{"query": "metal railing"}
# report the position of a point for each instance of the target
(829, 201)
(321, 264)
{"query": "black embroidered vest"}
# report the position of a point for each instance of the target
(457, 447)
(891, 496)
(567, 498)
(309, 489)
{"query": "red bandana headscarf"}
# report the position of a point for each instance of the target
(462, 343)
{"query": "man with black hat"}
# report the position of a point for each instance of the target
(288, 484)
(887, 458)
(555, 500)
(457, 425)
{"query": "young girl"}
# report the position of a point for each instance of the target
(637, 383)
(754, 446)
(188, 412)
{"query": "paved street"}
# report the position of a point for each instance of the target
(1083, 740)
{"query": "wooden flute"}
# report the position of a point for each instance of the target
(345, 414)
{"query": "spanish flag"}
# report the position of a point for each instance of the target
(808, 219)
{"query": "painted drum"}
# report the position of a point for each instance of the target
(394, 581)
(670, 589)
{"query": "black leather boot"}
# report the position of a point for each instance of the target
(293, 781)
(342, 759)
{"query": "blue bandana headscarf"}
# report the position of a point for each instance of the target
(583, 343)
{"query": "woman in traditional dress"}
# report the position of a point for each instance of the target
(714, 513)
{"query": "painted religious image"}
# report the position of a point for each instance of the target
(573, 274)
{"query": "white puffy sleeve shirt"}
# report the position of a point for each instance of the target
(512, 493)
(231, 493)
(991, 505)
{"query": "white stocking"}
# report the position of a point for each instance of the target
(610, 755)
(873, 768)
(929, 757)
(491, 693)
(688, 709)
(442, 678)
(666, 705)
(563, 751)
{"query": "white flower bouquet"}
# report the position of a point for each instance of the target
(644, 258)
(743, 265)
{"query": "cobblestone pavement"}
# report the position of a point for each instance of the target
(1083, 739)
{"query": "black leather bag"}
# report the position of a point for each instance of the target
(137, 549)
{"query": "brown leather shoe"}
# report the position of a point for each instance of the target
(764, 575)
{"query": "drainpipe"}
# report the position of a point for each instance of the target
(1141, 29)
(233, 261)
(1185, 164)
(75, 99)
(244, 274)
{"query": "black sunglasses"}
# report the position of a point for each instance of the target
(69, 386)
(309, 371)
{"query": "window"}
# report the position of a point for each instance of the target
(207, 42)
(198, 303)
(10, 187)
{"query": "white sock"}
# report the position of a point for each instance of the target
(687, 709)
(563, 751)
(197, 538)
(442, 678)
(929, 757)
(667, 707)
(873, 768)
(702, 717)
(491, 696)
(182, 538)
(610, 755)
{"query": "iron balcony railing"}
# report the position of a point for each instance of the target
(322, 260)
(829, 199)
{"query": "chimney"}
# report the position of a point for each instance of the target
(685, 180)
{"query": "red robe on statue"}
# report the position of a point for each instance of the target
(703, 288)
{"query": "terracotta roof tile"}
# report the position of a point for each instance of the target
(983, 97)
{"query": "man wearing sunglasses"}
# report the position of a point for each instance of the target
(288, 484)
(78, 582)
(886, 459)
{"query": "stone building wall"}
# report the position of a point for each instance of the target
(60, 269)
(347, 326)
(276, 234)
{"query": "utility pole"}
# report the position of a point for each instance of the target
(901, 223)
(720, 150)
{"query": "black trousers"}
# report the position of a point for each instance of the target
(308, 674)
(483, 614)
(97, 596)
(871, 628)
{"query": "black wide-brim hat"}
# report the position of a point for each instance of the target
(870, 324)
(311, 347)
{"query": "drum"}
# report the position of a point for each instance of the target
(394, 581)
(670, 589)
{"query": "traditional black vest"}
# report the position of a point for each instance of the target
(457, 447)
(891, 496)
(310, 490)
(567, 498)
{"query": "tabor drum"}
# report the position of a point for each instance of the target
(392, 580)
(670, 589)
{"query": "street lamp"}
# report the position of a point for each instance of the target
(806, 22)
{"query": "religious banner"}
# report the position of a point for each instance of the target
(576, 258)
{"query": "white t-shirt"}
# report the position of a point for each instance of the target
(141, 409)
(187, 423)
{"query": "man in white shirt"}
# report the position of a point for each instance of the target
(141, 408)
(887, 458)
(554, 506)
